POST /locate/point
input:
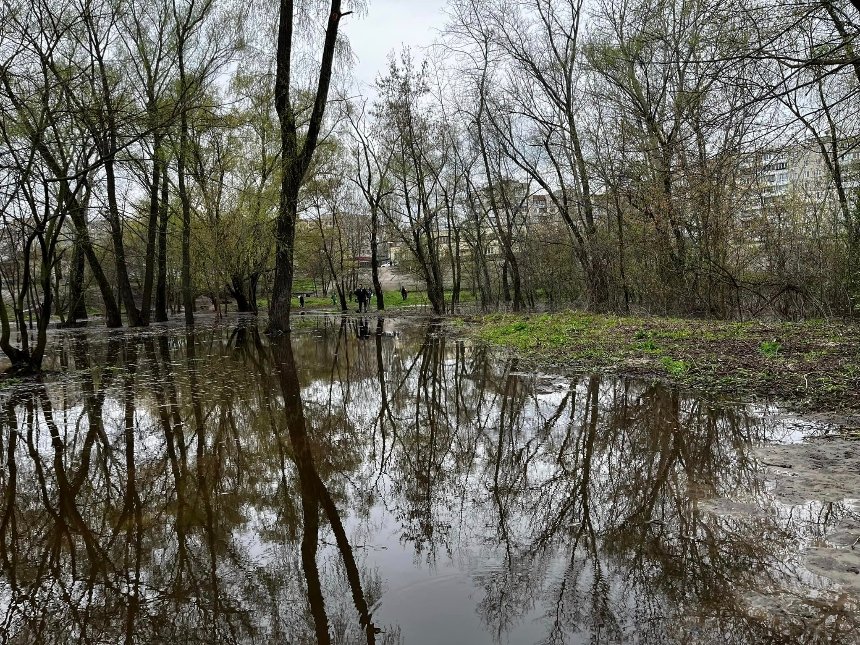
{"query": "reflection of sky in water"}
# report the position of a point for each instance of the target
(482, 503)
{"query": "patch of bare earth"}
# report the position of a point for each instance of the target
(826, 471)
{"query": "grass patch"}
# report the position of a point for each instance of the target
(769, 348)
(818, 362)
(674, 367)
(392, 299)
(313, 302)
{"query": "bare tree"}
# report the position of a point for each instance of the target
(371, 173)
(417, 169)
(296, 151)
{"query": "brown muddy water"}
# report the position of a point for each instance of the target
(370, 481)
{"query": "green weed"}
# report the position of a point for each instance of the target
(648, 346)
(769, 348)
(674, 367)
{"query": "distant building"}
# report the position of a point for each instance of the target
(800, 173)
(384, 253)
(541, 209)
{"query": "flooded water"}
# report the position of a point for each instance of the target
(373, 481)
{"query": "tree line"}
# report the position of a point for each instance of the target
(155, 152)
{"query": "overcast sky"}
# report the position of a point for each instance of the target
(387, 25)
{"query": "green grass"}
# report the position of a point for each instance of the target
(817, 362)
(544, 331)
(673, 367)
(393, 301)
(648, 346)
(769, 348)
(305, 285)
(313, 302)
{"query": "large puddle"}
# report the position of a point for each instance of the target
(376, 481)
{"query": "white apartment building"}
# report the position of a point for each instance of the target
(801, 172)
(541, 209)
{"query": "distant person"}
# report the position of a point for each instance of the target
(367, 295)
(333, 298)
(403, 292)
(302, 300)
(359, 296)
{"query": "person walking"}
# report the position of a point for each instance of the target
(403, 292)
(301, 300)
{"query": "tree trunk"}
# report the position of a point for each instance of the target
(77, 306)
(506, 289)
(598, 285)
(44, 312)
(182, 159)
(436, 295)
(282, 289)
(295, 158)
(112, 313)
(237, 290)
(341, 294)
(253, 280)
(457, 272)
(488, 294)
(374, 260)
(187, 293)
(15, 355)
(515, 278)
(126, 294)
(151, 231)
(161, 283)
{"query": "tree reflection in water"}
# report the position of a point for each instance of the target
(224, 487)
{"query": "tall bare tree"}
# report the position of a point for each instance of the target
(297, 143)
